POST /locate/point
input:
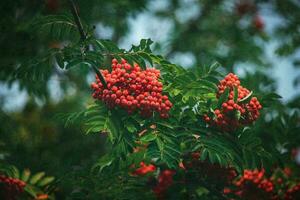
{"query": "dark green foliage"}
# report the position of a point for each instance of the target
(39, 43)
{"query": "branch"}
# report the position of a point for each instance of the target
(83, 37)
(77, 19)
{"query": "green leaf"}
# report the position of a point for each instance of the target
(140, 62)
(165, 124)
(36, 69)
(148, 137)
(25, 175)
(130, 127)
(214, 66)
(147, 57)
(15, 172)
(204, 155)
(45, 181)
(96, 118)
(145, 44)
(71, 118)
(235, 94)
(160, 144)
(212, 156)
(60, 60)
(220, 150)
(110, 46)
(165, 148)
(238, 115)
(273, 96)
(103, 162)
(202, 83)
(35, 178)
(201, 191)
(55, 26)
(31, 190)
(113, 126)
(74, 63)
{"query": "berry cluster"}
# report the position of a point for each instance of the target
(293, 193)
(159, 185)
(11, 187)
(144, 169)
(256, 177)
(165, 180)
(253, 185)
(132, 88)
(233, 114)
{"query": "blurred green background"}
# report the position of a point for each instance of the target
(259, 40)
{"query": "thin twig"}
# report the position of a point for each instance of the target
(83, 37)
(77, 20)
(123, 54)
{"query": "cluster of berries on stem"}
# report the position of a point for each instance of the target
(236, 110)
(133, 89)
(11, 187)
(164, 179)
(293, 193)
(255, 184)
(252, 184)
